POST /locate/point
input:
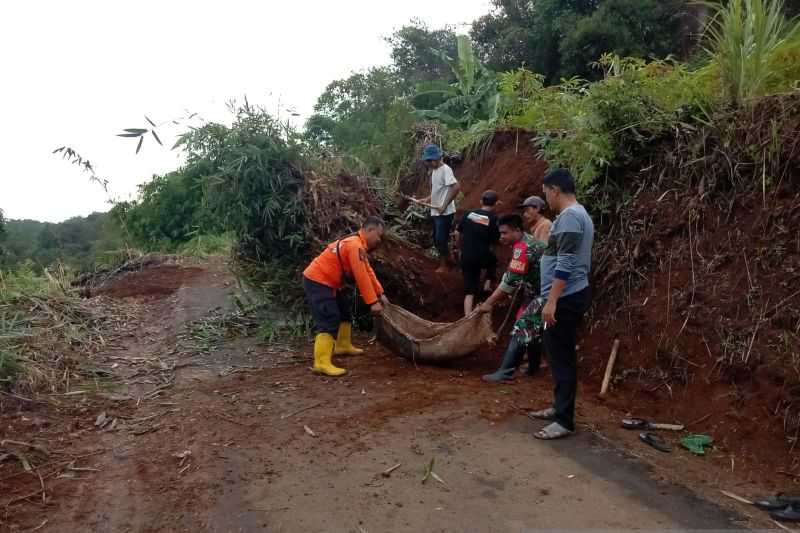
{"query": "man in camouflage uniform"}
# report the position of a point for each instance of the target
(522, 276)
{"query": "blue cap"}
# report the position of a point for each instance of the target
(431, 152)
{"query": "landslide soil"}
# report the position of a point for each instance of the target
(238, 435)
(245, 438)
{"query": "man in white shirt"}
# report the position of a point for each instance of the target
(444, 189)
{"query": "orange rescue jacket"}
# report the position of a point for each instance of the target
(326, 268)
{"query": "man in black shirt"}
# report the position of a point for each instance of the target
(477, 235)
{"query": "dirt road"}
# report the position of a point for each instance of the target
(240, 436)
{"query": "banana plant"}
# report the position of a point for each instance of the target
(471, 98)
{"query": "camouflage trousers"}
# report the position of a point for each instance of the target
(529, 325)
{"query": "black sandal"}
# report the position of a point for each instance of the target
(777, 502)
(655, 441)
(791, 513)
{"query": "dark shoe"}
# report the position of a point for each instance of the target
(791, 513)
(508, 366)
(777, 502)
(501, 376)
(655, 441)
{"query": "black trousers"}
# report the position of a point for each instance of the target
(559, 343)
(329, 307)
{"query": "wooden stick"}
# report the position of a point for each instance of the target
(736, 497)
(25, 497)
(785, 528)
(304, 409)
(388, 471)
(609, 369)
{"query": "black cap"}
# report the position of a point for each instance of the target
(562, 179)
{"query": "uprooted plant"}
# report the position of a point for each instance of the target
(47, 332)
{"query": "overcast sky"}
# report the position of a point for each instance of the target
(76, 72)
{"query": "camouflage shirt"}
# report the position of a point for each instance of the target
(523, 269)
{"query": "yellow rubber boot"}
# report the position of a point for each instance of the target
(323, 352)
(344, 341)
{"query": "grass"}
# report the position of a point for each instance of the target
(10, 368)
(754, 48)
(202, 246)
(46, 330)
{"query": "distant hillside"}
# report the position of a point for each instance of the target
(75, 242)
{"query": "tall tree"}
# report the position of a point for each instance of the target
(3, 235)
(561, 38)
(415, 52)
(365, 115)
(527, 33)
(471, 97)
(638, 28)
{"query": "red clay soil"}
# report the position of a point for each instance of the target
(710, 333)
(155, 282)
(191, 457)
(510, 167)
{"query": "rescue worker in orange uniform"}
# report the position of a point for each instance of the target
(342, 262)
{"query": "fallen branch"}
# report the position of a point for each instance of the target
(736, 497)
(428, 471)
(789, 474)
(25, 497)
(701, 419)
(21, 398)
(303, 410)
(25, 445)
(388, 471)
(40, 526)
(231, 420)
(785, 528)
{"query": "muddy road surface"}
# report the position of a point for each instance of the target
(198, 433)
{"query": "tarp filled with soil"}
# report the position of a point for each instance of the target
(431, 342)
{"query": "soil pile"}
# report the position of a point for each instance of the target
(697, 276)
(509, 166)
(696, 271)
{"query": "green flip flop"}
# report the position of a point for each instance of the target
(696, 443)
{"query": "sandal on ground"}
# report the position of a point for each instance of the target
(544, 414)
(655, 441)
(777, 502)
(791, 513)
(553, 431)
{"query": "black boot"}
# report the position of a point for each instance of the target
(511, 360)
(534, 357)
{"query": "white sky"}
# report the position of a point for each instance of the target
(76, 72)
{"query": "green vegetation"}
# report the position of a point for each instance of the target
(599, 83)
(364, 117)
(470, 98)
(755, 51)
(76, 242)
(41, 319)
(561, 38)
(593, 79)
(594, 127)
